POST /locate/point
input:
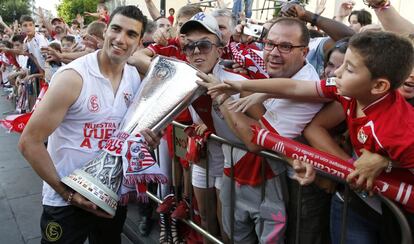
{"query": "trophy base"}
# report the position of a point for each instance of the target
(93, 190)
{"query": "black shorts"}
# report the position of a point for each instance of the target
(73, 225)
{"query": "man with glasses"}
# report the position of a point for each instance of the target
(285, 50)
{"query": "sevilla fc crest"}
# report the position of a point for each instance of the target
(138, 157)
(362, 136)
(93, 104)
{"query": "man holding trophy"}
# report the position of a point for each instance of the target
(82, 109)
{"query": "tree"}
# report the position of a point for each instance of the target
(68, 9)
(11, 10)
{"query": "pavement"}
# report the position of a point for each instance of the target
(20, 197)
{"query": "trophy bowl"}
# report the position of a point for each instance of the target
(167, 89)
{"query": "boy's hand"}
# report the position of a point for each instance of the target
(304, 173)
(161, 36)
(367, 168)
(244, 103)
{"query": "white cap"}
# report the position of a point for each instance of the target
(207, 21)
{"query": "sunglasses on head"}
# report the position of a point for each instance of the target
(203, 47)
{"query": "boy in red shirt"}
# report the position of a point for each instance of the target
(378, 117)
(366, 86)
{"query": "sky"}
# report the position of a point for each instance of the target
(48, 4)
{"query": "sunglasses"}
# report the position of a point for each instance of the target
(203, 47)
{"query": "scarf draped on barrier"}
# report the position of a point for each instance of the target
(396, 185)
(17, 122)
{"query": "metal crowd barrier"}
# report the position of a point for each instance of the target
(179, 135)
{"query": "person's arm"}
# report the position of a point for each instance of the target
(152, 9)
(95, 15)
(45, 119)
(7, 29)
(53, 55)
(240, 124)
(276, 87)
(332, 28)
(317, 132)
(141, 59)
(45, 22)
(391, 20)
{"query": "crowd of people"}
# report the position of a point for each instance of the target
(341, 84)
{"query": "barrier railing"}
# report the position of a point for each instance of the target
(180, 137)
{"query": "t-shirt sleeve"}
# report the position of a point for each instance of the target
(162, 50)
(154, 48)
(327, 88)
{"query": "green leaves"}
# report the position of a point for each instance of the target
(68, 9)
(11, 10)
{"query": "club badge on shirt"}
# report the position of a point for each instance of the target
(127, 98)
(362, 136)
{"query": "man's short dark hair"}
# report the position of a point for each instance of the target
(363, 17)
(26, 18)
(385, 54)
(69, 39)
(304, 38)
(132, 12)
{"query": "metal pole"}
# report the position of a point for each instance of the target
(162, 8)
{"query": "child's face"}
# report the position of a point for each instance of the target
(17, 45)
(28, 27)
(353, 77)
(66, 45)
(101, 10)
(354, 24)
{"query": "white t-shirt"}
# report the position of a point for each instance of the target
(33, 46)
(90, 121)
(289, 117)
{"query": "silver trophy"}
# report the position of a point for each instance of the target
(168, 88)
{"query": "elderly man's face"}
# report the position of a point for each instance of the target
(280, 61)
(202, 50)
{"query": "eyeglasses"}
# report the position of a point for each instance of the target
(283, 47)
(203, 46)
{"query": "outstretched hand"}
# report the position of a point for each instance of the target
(243, 104)
(367, 168)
